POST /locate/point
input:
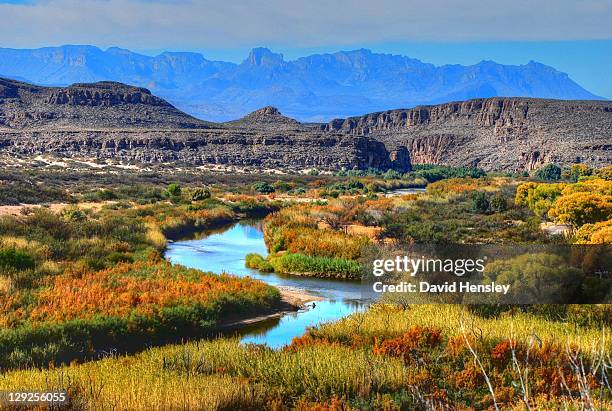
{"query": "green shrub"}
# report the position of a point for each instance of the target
(577, 171)
(433, 173)
(15, 259)
(257, 262)
(263, 187)
(116, 257)
(538, 276)
(293, 263)
(297, 191)
(73, 214)
(392, 175)
(173, 190)
(550, 172)
(199, 194)
(252, 208)
(282, 186)
(499, 203)
(480, 204)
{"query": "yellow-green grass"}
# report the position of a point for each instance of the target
(224, 374)
(390, 321)
(220, 374)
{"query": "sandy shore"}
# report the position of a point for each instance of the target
(54, 207)
(297, 297)
(293, 300)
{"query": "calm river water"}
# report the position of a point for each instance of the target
(225, 250)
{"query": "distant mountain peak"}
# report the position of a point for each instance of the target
(117, 50)
(268, 116)
(312, 88)
(266, 111)
(262, 56)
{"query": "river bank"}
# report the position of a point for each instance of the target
(224, 251)
(293, 300)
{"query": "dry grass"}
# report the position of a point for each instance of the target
(392, 321)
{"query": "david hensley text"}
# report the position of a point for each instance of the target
(425, 287)
(414, 266)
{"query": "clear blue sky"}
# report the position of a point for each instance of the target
(572, 36)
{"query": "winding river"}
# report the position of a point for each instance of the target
(225, 250)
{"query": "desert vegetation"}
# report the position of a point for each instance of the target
(80, 281)
(422, 357)
(584, 203)
(85, 291)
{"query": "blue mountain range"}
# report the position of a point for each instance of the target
(314, 88)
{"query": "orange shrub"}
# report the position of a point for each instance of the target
(140, 287)
(415, 339)
(295, 229)
(460, 185)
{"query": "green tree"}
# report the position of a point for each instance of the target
(550, 172)
(480, 204)
(173, 190)
(539, 197)
(579, 170)
(535, 278)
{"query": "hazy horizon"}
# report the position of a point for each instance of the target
(573, 37)
(435, 53)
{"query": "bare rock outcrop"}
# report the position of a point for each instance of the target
(109, 120)
(504, 134)
(113, 121)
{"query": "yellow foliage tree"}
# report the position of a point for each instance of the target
(598, 233)
(539, 197)
(590, 185)
(605, 173)
(522, 193)
(581, 208)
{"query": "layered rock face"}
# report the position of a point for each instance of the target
(128, 124)
(504, 134)
(113, 121)
(214, 147)
(87, 106)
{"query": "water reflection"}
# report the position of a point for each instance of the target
(224, 250)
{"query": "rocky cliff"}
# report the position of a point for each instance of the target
(107, 120)
(114, 121)
(506, 134)
(87, 106)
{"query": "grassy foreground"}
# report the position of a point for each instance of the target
(387, 358)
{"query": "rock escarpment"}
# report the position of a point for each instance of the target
(87, 106)
(212, 147)
(112, 121)
(504, 134)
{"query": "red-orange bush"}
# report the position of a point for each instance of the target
(140, 287)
